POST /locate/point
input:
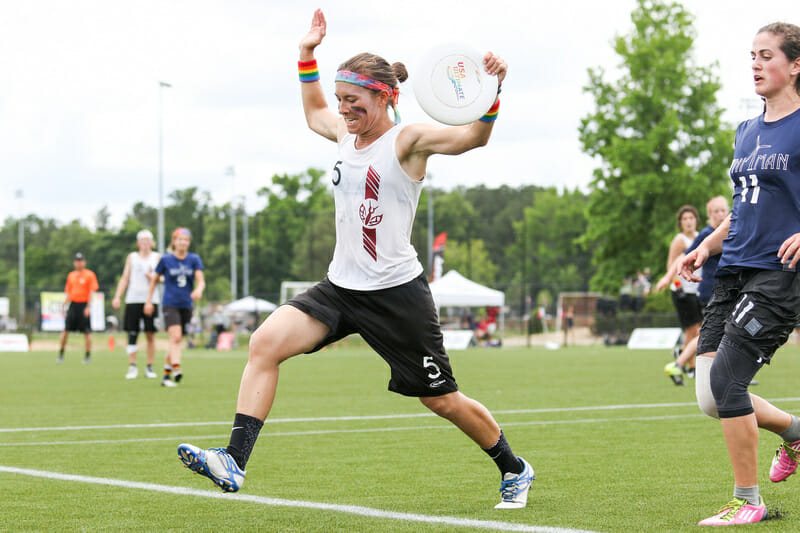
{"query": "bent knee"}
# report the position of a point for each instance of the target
(705, 397)
(262, 345)
(443, 406)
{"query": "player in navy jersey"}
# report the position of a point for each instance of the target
(756, 299)
(375, 286)
(184, 282)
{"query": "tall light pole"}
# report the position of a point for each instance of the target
(245, 250)
(232, 173)
(21, 266)
(161, 86)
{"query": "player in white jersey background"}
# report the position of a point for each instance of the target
(139, 270)
(375, 285)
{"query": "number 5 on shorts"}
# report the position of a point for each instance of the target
(428, 363)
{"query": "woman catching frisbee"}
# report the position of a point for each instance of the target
(375, 284)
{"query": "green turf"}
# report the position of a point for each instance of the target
(647, 465)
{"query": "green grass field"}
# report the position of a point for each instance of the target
(615, 446)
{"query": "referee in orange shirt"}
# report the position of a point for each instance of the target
(81, 284)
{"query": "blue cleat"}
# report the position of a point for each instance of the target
(215, 464)
(514, 488)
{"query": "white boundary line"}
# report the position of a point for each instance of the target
(262, 500)
(371, 417)
(360, 430)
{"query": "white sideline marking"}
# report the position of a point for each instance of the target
(348, 509)
(361, 430)
(373, 417)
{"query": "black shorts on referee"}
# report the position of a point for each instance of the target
(756, 310)
(400, 323)
(76, 319)
(134, 314)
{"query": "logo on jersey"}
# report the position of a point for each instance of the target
(765, 161)
(369, 213)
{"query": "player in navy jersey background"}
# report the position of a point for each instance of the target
(756, 300)
(184, 282)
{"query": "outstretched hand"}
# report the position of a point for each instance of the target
(789, 251)
(315, 35)
(691, 262)
(495, 65)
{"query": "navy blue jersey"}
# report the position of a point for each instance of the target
(706, 287)
(178, 279)
(766, 198)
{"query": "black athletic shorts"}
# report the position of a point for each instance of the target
(400, 323)
(75, 319)
(756, 310)
(134, 313)
(174, 316)
(688, 307)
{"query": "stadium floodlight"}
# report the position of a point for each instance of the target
(230, 171)
(21, 259)
(161, 85)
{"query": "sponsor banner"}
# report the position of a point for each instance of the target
(654, 338)
(97, 308)
(457, 339)
(53, 311)
(13, 342)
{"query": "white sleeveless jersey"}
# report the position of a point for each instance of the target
(139, 284)
(376, 202)
(689, 287)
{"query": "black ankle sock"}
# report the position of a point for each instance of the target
(243, 438)
(503, 456)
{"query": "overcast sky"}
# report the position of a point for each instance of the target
(79, 89)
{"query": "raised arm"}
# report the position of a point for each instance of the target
(417, 142)
(319, 118)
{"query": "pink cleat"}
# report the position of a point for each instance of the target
(737, 512)
(785, 461)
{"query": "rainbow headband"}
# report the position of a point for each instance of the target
(368, 83)
(181, 231)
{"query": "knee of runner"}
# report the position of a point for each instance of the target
(730, 376)
(705, 398)
(262, 345)
(441, 405)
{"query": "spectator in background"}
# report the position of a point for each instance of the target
(569, 324)
(626, 295)
(684, 293)
(81, 285)
(137, 274)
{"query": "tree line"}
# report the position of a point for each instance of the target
(655, 133)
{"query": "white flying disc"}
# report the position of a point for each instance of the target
(452, 86)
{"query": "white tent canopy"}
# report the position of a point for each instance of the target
(251, 304)
(454, 290)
